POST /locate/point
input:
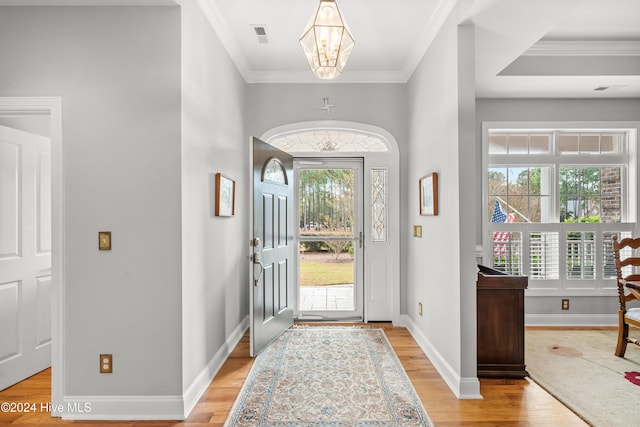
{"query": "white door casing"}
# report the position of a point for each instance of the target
(381, 257)
(25, 255)
(51, 107)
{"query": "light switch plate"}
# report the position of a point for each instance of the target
(104, 240)
(417, 231)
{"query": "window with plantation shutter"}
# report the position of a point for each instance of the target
(555, 198)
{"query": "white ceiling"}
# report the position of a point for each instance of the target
(390, 36)
(538, 37)
(524, 48)
(557, 48)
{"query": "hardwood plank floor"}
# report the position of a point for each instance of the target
(505, 402)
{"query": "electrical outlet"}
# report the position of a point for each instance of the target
(106, 363)
(565, 304)
(420, 308)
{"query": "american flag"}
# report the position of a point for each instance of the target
(500, 238)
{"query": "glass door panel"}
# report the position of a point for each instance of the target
(329, 237)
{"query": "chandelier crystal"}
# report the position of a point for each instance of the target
(327, 41)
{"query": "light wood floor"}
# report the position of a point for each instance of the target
(506, 402)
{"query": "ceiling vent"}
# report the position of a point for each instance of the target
(261, 33)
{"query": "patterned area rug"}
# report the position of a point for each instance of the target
(580, 369)
(328, 376)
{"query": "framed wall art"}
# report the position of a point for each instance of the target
(225, 196)
(429, 194)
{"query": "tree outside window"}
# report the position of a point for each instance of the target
(563, 192)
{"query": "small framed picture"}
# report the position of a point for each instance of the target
(429, 194)
(225, 196)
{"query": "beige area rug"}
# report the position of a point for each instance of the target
(328, 376)
(580, 369)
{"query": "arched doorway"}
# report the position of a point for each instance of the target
(311, 144)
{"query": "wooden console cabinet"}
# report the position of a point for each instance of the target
(500, 310)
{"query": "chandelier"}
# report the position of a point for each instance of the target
(326, 41)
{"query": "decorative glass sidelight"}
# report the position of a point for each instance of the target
(379, 205)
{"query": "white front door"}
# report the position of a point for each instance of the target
(25, 255)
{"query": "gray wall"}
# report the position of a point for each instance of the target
(382, 105)
(215, 270)
(440, 268)
(552, 110)
(117, 70)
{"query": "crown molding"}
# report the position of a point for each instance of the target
(432, 28)
(221, 29)
(584, 48)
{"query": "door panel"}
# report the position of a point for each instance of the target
(25, 255)
(43, 310)
(10, 165)
(10, 316)
(271, 312)
(43, 199)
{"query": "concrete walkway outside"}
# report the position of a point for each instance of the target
(326, 298)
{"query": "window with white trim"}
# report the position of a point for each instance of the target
(555, 199)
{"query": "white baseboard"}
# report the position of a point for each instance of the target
(202, 381)
(571, 319)
(151, 407)
(463, 388)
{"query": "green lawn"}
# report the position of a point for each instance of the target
(325, 273)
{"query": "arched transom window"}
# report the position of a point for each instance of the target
(330, 141)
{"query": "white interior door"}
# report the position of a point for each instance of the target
(272, 284)
(25, 255)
